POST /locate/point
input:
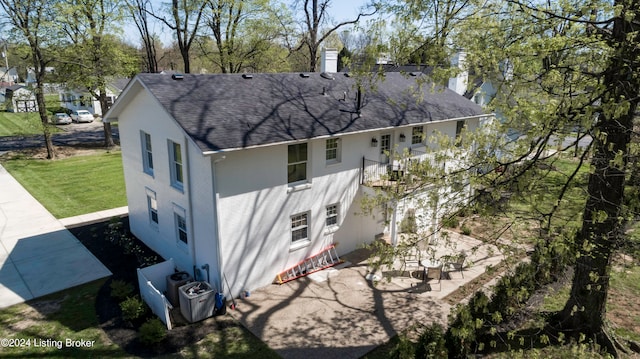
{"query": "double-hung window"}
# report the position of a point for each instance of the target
(332, 215)
(175, 162)
(180, 219)
(333, 150)
(459, 128)
(417, 135)
(297, 163)
(299, 228)
(152, 205)
(147, 153)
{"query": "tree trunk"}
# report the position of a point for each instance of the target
(106, 126)
(42, 111)
(603, 219)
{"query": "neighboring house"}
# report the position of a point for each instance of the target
(18, 98)
(31, 74)
(79, 99)
(247, 175)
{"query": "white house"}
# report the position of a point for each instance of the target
(82, 99)
(246, 175)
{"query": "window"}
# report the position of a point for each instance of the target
(175, 153)
(297, 163)
(147, 153)
(299, 228)
(180, 218)
(459, 127)
(333, 150)
(332, 215)
(152, 205)
(417, 134)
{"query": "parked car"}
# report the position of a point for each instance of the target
(81, 116)
(61, 118)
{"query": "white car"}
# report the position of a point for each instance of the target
(81, 116)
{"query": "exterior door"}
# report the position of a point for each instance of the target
(385, 147)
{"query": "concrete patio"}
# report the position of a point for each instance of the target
(340, 313)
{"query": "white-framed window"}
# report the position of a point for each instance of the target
(417, 135)
(175, 164)
(331, 215)
(299, 228)
(180, 219)
(297, 163)
(333, 150)
(152, 205)
(147, 153)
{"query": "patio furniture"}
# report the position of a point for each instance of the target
(433, 273)
(458, 264)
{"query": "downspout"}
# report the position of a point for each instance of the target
(217, 219)
(191, 214)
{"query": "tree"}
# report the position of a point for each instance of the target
(184, 20)
(315, 17)
(244, 32)
(94, 56)
(556, 67)
(139, 11)
(32, 20)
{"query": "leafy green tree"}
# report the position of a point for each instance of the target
(32, 21)
(94, 55)
(244, 32)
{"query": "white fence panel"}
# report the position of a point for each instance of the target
(152, 281)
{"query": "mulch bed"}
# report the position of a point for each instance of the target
(123, 267)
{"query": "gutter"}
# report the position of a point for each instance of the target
(209, 153)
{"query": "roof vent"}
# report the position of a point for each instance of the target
(177, 76)
(326, 75)
(304, 75)
(247, 76)
(415, 73)
(346, 74)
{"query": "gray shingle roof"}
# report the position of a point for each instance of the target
(226, 111)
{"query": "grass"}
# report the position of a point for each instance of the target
(68, 314)
(21, 124)
(75, 185)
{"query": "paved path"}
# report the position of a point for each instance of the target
(38, 255)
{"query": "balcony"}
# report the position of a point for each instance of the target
(399, 171)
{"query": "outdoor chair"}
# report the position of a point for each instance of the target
(433, 273)
(457, 265)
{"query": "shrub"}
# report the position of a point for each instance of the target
(451, 222)
(133, 308)
(431, 343)
(465, 230)
(152, 332)
(121, 289)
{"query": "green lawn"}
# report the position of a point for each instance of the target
(70, 314)
(21, 124)
(75, 185)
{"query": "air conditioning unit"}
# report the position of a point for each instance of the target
(197, 301)
(175, 281)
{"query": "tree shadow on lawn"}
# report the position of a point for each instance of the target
(123, 266)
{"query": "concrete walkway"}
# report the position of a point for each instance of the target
(38, 255)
